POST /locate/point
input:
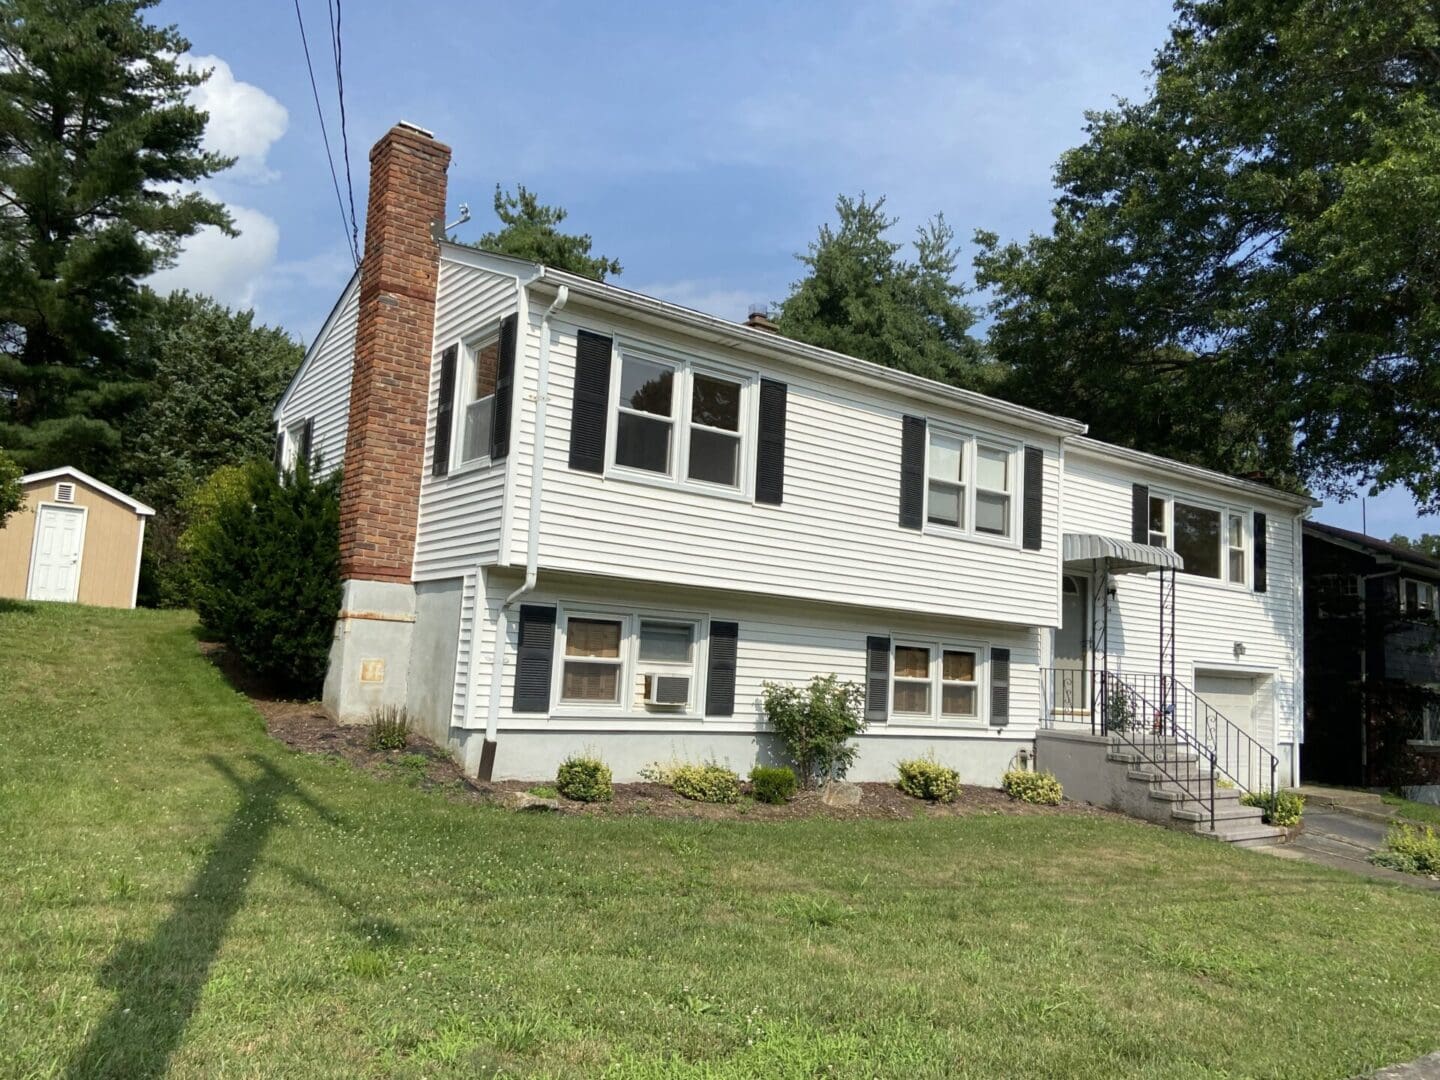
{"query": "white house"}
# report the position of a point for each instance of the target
(578, 517)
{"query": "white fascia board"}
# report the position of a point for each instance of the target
(1103, 451)
(350, 286)
(89, 481)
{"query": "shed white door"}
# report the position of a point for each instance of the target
(1233, 696)
(55, 562)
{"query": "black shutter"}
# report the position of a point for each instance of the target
(591, 408)
(444, 414)
(279, 450)
(1260, 553)
(770, 452)
(999, 687)
(504, 389)
(912, 473)
(877, 678)
(534, 652)
(307, 441)
(1032, 531)
(720, 675)
(1140, 514)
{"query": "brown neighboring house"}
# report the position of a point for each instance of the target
(75, 540)
(1372, 662)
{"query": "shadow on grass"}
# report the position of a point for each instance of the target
(8, 607)
(159, 981)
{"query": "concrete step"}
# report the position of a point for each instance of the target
(1229, 811)
(1240, 833)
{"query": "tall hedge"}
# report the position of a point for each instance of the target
(265, 567)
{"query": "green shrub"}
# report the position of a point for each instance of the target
(1040, 788)
(1283, 810)
(773, 784)
(1410, 849)
(584, 779)
(265, 571)
(12, 495)
(925, 778)
(389, 729)
(816, 724)
(706, 783)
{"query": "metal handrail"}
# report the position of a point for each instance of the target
(1236, 750)
(1130, 717)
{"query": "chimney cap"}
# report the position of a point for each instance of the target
(408, 126)
(759, 319)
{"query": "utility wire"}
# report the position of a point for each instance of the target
(335, 15)
(325, 137)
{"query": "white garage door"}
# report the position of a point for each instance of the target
(1233, 696)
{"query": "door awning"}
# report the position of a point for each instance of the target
(1092, 552)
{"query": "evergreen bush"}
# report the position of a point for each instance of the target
(265, 571)
(925, 778)
(1040, 788)
(584, 779)
(773, 784)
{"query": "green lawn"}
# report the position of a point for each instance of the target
(180, 893)
(1412, 811)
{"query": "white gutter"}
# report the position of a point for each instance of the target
(532, 546)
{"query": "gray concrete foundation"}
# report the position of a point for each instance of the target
(370, 654)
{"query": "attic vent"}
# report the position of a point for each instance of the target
(65, 492)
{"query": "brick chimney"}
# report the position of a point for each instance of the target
(385, 441)
(390, 386)
(759, 319)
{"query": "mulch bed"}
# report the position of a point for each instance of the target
(303, 726)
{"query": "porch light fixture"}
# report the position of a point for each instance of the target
(1239, 649)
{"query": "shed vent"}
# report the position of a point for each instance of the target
(65, 493)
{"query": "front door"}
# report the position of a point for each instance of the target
(55, 563)
(1071, 693)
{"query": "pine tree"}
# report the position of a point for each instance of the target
(97, 145)
(531, 230)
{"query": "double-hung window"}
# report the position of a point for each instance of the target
(681, 420)
(594, 664)
(634, 662)
(935, 681)
(1159, 522)
(475, 393)
(984, 506)
(1430, 719)
(1235, 548)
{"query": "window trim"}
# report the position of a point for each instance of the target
(685, 365)
(631, 707)
(1420, 585)
(468, 349)
(1225, 510)
(938, 647)
(294, 436)
(562, 634)
(972, 439)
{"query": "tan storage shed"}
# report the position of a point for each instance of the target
(75, 540)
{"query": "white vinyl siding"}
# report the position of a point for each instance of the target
(779, 641)
(1211, 616)
(837, 536)
(321, 391)
(460, 514)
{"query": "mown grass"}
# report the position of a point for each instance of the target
(1412, 811)
(181, 893)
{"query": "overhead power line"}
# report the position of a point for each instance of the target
(335, 16)
(345, 224)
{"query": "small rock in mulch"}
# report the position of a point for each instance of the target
(840, 793)
(524, 801)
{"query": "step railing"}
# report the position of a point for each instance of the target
(1073, 701)
(1134, 720)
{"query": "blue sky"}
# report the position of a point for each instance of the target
(701, 145)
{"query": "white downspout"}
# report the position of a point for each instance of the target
(532, 546)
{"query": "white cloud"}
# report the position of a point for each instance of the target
(244, 122)
(231, 269)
